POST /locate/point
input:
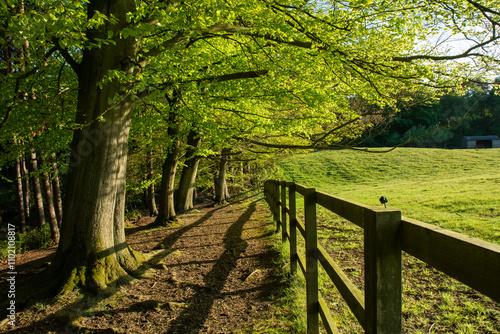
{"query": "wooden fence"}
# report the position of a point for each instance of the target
(473, 262)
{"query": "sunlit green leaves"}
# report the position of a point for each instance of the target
(316, 55)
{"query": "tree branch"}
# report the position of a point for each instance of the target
(337, 128)
(483, 8)
(229, 77)
(18, 87)
(212, 79)
(271, 145)
(465, 54)
(182, 37)
(174, 41)
(64, 52)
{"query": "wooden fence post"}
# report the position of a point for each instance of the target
(292, 208)
(277, 211)
(283, 211)
(271, 192)
(268, 194)
(311, 261)
(382, 271)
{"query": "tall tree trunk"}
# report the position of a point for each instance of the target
(37, 192)
(49, 202)
(166, 211)
(145, 193)
(128, 259)
(17, 166)
(24, 56)
(221, 192)
(26, 188)
(151, 189)
(20, 197)
(56, 188)
(189, 172)
(93, 252)
(242, 173)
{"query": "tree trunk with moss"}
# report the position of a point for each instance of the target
(93, 252)
(189, 172)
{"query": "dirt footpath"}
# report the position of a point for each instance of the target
(218, 277)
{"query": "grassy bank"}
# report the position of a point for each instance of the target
(455, 189)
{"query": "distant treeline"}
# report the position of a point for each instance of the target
(475, 113)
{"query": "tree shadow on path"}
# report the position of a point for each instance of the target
(169, 241)
(201, 303)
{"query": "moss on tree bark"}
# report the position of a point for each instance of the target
(93, 252)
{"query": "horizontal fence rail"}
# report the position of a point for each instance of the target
(387, 234)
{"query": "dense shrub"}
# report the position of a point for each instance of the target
(35, 239)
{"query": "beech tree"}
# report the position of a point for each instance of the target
(147, 142)
(166, 209)
(189, 173)
(20, 197)
(33, 113)
(150, 196)
(220, 183)
(296, 64)
(37, 190)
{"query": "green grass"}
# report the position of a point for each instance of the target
(287, 313)
(454, 189)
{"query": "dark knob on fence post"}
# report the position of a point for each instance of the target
(383, 200)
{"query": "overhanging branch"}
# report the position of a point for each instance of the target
(182, 37)
(229, 77)
(18, 85)
(466, 54)
(212, 79)
(69, 59)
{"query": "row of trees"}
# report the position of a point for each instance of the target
(156, 157)
(443, 122)
(45, 190)
(38, 194)
(186, 80)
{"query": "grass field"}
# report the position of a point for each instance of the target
(455, 189)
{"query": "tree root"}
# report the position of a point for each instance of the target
(102, 277)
